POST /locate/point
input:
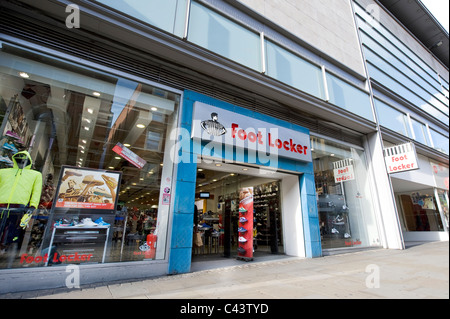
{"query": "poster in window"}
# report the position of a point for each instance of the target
(87, 189)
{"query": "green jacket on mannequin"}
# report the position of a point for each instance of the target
(20, 184)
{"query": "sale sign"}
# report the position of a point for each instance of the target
(401, 158)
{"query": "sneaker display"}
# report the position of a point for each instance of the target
(347, 235)
(242, 230)
(242, 210)
(10, 147)
(338, 220)
(87, 222)
(99, 221)
(242, 239)
(243, 220)
(241, 250)
(334, 231)
(13, 135)
(5, 159)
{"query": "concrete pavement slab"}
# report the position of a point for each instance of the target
(419, 272)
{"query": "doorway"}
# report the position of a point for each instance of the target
(218, 221)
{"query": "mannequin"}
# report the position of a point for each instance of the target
(20, 192)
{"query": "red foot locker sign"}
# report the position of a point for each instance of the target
(401, 158)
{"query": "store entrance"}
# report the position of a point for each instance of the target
(217, 204)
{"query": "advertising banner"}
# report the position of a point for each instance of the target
(245, 230)
(87, 189)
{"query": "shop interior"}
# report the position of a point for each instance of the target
(217, 205)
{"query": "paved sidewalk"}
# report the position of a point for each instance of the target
(421, 271)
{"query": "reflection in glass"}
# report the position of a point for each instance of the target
(65, 115)
(224, 37)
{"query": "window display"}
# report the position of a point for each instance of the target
(344, 200)
(84, 162)
(420, 211)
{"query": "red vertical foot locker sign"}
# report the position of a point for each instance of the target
(245, 249)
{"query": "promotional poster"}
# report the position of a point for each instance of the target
(87, 188)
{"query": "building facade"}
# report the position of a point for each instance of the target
(153, 125)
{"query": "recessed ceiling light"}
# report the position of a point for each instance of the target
(245, 169)
(25, 75)
(111, 167)
(126, 145)
(218, 165)
(90, 111)
(96, 94)
(86, 128)
(154, 109)
(117, 158)
(140, 125)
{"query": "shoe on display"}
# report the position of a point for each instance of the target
(242, 210)
(242, 239)
(243, 220)
(5, 159)
(99, 221)
(13, 135)
(205, 226)
(241, 250)
(334, 231)
(87, 222)
(10, 147)
(338, 220)
(347, 235)
(242, 230)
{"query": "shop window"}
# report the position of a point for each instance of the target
(420, 132)
(443, 200)
(440, 142)
(420, 211)
(166, 15)
(98, 145)
(214, 32)
(346, 214)
(391, 118)
(349, 97)
(292, 70)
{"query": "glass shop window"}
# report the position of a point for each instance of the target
(344, 200)
(84, 156)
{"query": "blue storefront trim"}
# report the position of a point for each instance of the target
(184, 190)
